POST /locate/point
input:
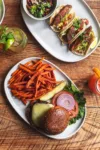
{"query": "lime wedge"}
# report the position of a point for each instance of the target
(94, 43)
(8, 44)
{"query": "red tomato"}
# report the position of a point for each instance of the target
(73, 113)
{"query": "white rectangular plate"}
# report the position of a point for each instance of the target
(20, 108)
(49, 40)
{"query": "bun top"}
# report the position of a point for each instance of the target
(56, 120)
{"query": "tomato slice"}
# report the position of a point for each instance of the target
(73, 113)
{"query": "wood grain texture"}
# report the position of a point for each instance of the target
(14, 133)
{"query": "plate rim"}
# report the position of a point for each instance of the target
(43, 45)
(26, 121)
(3, 4)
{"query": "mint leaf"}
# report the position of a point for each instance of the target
(10, 35)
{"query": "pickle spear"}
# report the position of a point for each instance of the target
(57, 89)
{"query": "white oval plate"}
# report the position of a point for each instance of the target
(2, 10)
(20, 108)
(49, 40)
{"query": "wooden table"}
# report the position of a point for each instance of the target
(15, 134)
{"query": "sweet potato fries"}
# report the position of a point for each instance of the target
(32, 80)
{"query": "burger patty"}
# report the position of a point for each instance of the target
(56, 120)
(61, 14)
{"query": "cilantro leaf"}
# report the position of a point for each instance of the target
(76, 24)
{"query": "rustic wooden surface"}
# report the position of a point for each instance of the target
(14, 133)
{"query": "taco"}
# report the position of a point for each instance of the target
(62, 18)
(83, 43)
(78, 26)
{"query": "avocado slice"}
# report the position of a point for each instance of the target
(38, 112)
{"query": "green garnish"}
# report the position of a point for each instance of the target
(73, 35)
(76, 24)
(84, 38)
(41, 9)
(79, 97)
(6, 38)
(81, 36)
(47, 4)
(33, 9)
(82, 46)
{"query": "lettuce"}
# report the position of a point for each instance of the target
(79, 97)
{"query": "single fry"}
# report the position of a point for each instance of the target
(25, 69)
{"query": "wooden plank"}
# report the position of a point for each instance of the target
(15, 134)
(94, 4)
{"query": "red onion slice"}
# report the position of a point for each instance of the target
(66, 100)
